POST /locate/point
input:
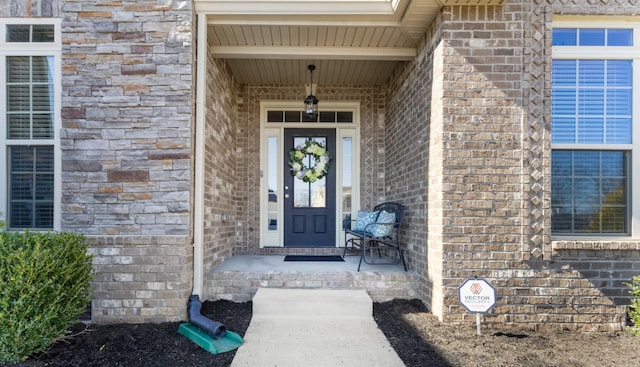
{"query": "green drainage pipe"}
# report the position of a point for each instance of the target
(213, 328)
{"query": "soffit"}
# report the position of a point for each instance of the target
(356, 42)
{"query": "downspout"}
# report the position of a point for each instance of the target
(212, 328)
(198, 205)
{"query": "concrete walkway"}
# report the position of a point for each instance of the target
(314, 327)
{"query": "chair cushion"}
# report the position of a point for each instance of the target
(380, 230)
(363, 219)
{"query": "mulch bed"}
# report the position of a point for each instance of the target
(417, 336)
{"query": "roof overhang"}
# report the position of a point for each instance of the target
(367, 36)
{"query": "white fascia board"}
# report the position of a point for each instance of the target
(299, 6)
(318, 53)
(334, 21)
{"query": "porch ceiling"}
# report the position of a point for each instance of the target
(355, 42)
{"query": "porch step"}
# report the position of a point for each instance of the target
(237, 279)
(312, 303)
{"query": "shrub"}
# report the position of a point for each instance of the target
(44, 287)
(634, 308)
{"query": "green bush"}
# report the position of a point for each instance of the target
(44, 287)
(634, 308)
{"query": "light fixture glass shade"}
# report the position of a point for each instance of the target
(311, 102)
(311, 106)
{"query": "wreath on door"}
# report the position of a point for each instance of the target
(321, 161)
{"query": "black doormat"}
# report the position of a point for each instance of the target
(313, 258)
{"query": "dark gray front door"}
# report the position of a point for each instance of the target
(309, 207)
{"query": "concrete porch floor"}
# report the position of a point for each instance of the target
(239, 277)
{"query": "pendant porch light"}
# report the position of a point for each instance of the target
(311, 102)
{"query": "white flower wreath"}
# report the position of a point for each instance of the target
(321, 157)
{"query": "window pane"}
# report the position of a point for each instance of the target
(618, 131)
(275, 116)
(589, 192)
(18, 32)
(309, 194)
(18, 98)
(620, 37)
(327, 116)
(30, 102)
(565, 37)
(591, 37)
(30, 33)
(272, 183)
(563, 101)
(344, 117)
(292, 116)
(347, 176)
(591, 101)
(31, 182)
(18, 69)
(19, 126)
(42, 69)
(619, 102)
(307, 118)
(591, 130)
(619, 73)
(564, 73)
(42, 33)
(597, 109)
(591, 72)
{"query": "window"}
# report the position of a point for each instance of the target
(29, 110)
(594, 131)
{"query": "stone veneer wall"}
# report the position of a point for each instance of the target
(126, 140)
(220, 189)
(33, 8)
(372, 143)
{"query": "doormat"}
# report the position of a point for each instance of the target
(313, 258)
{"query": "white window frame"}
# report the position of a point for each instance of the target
(53, 49)
(343, 130)
(610, 53)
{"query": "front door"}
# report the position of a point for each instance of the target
(309, 207)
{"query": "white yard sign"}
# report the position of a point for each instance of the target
(477, 296)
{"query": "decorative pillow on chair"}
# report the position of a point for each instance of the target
(383, 230)
(364, 218)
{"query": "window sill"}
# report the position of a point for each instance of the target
(596, 245)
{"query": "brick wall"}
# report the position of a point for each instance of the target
(141, 279)
(482, 177)
(126, 141)
(372, 169)
(220, 188)
(488, 165)
(413, 157)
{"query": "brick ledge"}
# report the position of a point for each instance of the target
(633, 245)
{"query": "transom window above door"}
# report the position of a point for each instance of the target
(341, 117)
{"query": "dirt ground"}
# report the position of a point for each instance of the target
(417, 336)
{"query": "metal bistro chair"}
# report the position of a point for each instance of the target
(380, 234)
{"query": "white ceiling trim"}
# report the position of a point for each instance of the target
(318, 53)
(299, 6)
(304, 21)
